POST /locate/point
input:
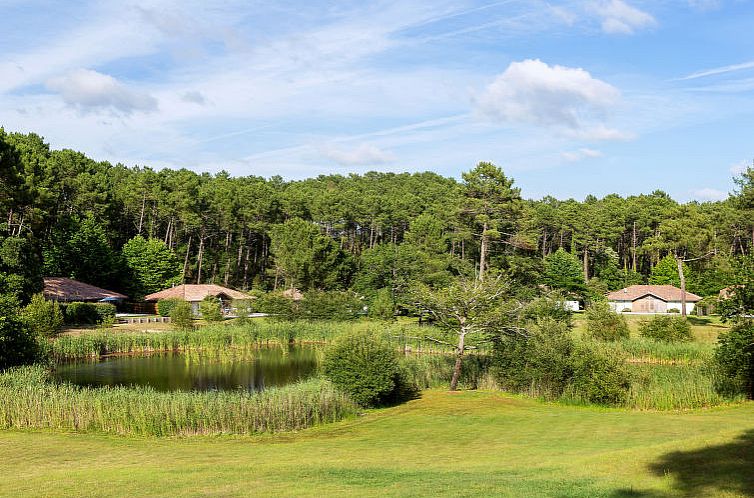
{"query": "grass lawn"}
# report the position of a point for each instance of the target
(449, 444)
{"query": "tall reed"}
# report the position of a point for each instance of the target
(28, 399)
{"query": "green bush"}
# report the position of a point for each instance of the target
(44, 318)
(549, 307)
(599, 376)
(18, 345)
(181, 316)
(734, 360)
(81, 313)
(366, 368)
(242, 308)
(604, 324)
(537, 363)
(165, 306)
(105, 313)
(331, 305)
(666, 328)
(383, 306)
(278, 306)
(211, 309)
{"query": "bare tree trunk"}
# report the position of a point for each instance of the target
(633, 248)
(586, 264)
(459, 359)
(141, 216)
(199, 259)
(185, 261)
(483, 253)
(679, 260)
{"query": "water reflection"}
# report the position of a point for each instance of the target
(252, 370)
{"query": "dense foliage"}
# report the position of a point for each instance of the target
(44, 318)
(734, 358)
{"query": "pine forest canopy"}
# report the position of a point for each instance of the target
(135, 229)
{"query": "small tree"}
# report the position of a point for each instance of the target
(211, 309)
(734, 358)
(382, 307)
(181, 316)
(666, 328)
(468, 308)
(44, 318)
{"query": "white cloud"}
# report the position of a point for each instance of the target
(618, 17)
(740, 167)
(90, 90)
(577, 155)
(361, 155)
(709, 194)
(566, 98)
(719, 70)
(704, 5)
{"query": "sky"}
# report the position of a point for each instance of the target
(569, 98)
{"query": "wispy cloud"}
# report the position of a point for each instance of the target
(718, 70)
(740, 167)
(709, 194)
(618, 17)
(361, 155)
(580, 154)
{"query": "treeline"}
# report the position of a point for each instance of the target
(65, 214)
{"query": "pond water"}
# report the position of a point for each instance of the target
(254, 371)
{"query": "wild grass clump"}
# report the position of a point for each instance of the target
(644, 350)
(29, 399)
(674, 387)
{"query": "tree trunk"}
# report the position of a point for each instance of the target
(141, 216)
(683, 285)
(199, 260)
(633, 249)
(586, 264)
(459, 360)
(185, 261)
(483, 253)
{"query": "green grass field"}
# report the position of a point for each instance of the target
(448, 444)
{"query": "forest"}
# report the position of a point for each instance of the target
(65, 214)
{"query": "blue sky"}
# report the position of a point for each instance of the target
(568, 97)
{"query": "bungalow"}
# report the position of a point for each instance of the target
(651, 299)
(195, 293)
(66, 290)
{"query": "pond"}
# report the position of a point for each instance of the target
(253, 371)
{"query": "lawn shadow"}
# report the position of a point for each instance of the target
(726, 467)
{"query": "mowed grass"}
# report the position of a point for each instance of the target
(444, 444)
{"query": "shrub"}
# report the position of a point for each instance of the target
(242, 308)
(549, 307)
(165, 306)
(383, 307)
(366, 368)
(44, 318)
(599, 376)
(181, 316)
(81, 313)
(734, 360)
(666, 328)
(278, 306)
(211, 309)
(604, 324)
(538, 363)
(18, 345)
(331, 305)
(674, 310)
(105, 313)
(626, 310)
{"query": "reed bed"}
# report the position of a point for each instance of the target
(674, 387)
(220, 338)
(643, 350)
(29, 399)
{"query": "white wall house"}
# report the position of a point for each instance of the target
(651, 299)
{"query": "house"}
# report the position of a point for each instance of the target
(66, 290)
(195, 293)
(651, 299)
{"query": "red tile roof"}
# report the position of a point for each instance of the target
(664, 292)
(67, 290)
(195, 292)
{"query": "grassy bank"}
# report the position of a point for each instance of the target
(31, 400)
(444, 444)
